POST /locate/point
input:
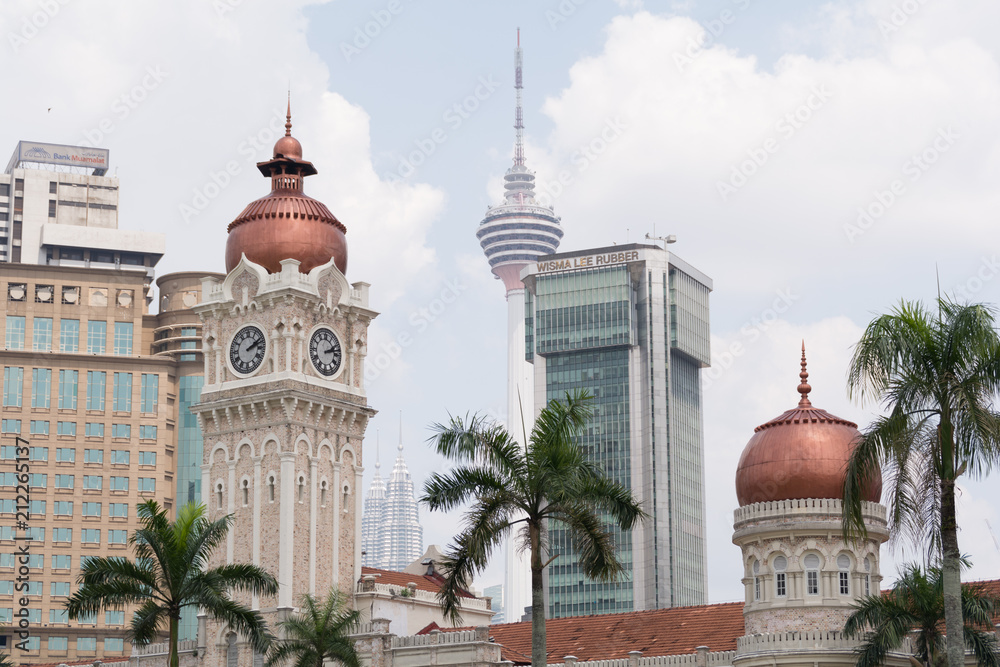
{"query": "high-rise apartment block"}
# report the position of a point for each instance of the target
(629, 324)
(96, 385)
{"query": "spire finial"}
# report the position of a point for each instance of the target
(518, 111)
(288, 116)
(804, 387)
(378, 463)
(400, 448)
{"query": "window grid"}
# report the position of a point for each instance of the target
(68, 382)
(69, 335)
(41, 387)
(123, 339)
(97, 336)
(41, 334)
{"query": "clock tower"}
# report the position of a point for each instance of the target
(283, 410)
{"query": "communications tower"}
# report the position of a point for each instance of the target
(514, 234)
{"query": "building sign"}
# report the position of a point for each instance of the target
(588, 261)
(60, 155)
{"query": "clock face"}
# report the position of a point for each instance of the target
(247, 350)
(325, 352)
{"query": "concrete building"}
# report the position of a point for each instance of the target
(407, 598)
(92, 381)
(57, 206)
(629, 324)
(513, 235)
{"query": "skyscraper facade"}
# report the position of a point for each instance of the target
(373, 521)
(391, 534)
(93, 381)
(629, 324)
(512, 235)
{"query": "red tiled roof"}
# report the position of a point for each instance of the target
(431, 583)
(611, 636)
(658, 632)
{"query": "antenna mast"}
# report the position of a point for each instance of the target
(518, 113)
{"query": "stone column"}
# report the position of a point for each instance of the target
(313, 490)
(286, 550)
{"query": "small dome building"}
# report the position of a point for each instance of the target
(801, 576)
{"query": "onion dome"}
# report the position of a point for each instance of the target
(803, 453)
(287, 224)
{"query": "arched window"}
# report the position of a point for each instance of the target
(322, 493)
(844, 574)
(756, 579)
(246, 492)
(811, 562)
(780, 577)
(270, 488)
(218, 495)
(302, 488)
(868, 575)
(232, 652)
(347, 491)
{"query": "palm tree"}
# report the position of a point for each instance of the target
(916, 603)
(5, 660)
(318, 634)
(549, 478)
(937, 375)
(169, 573)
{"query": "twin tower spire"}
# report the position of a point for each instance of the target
(391, 534)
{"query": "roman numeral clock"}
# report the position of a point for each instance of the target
(283, 410)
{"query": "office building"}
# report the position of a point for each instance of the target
(58, 206)
(94, 382)
(629, 324)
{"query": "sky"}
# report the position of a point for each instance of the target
(819, 160)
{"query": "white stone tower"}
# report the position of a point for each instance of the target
(801, 576)
(512, 235)
(283, 410)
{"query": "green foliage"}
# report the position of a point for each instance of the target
(936, 374)
(319, 633)
(169, 572)
(514, 488)
(916, 602)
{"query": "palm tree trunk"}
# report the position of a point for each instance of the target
(951, 576)
(538, 657)
(174, 660)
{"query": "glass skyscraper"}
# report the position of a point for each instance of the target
(628, 324)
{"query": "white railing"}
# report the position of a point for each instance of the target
(163, 648)
(716, 659)
(832, 506)
(792, 641)
(436, 638)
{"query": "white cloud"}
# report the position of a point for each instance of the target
(816, 137)
(220, 101)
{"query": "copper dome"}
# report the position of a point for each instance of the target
(287, 223)
(801, 454)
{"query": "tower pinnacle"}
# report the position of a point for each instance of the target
(518, 109)
(521, 229)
